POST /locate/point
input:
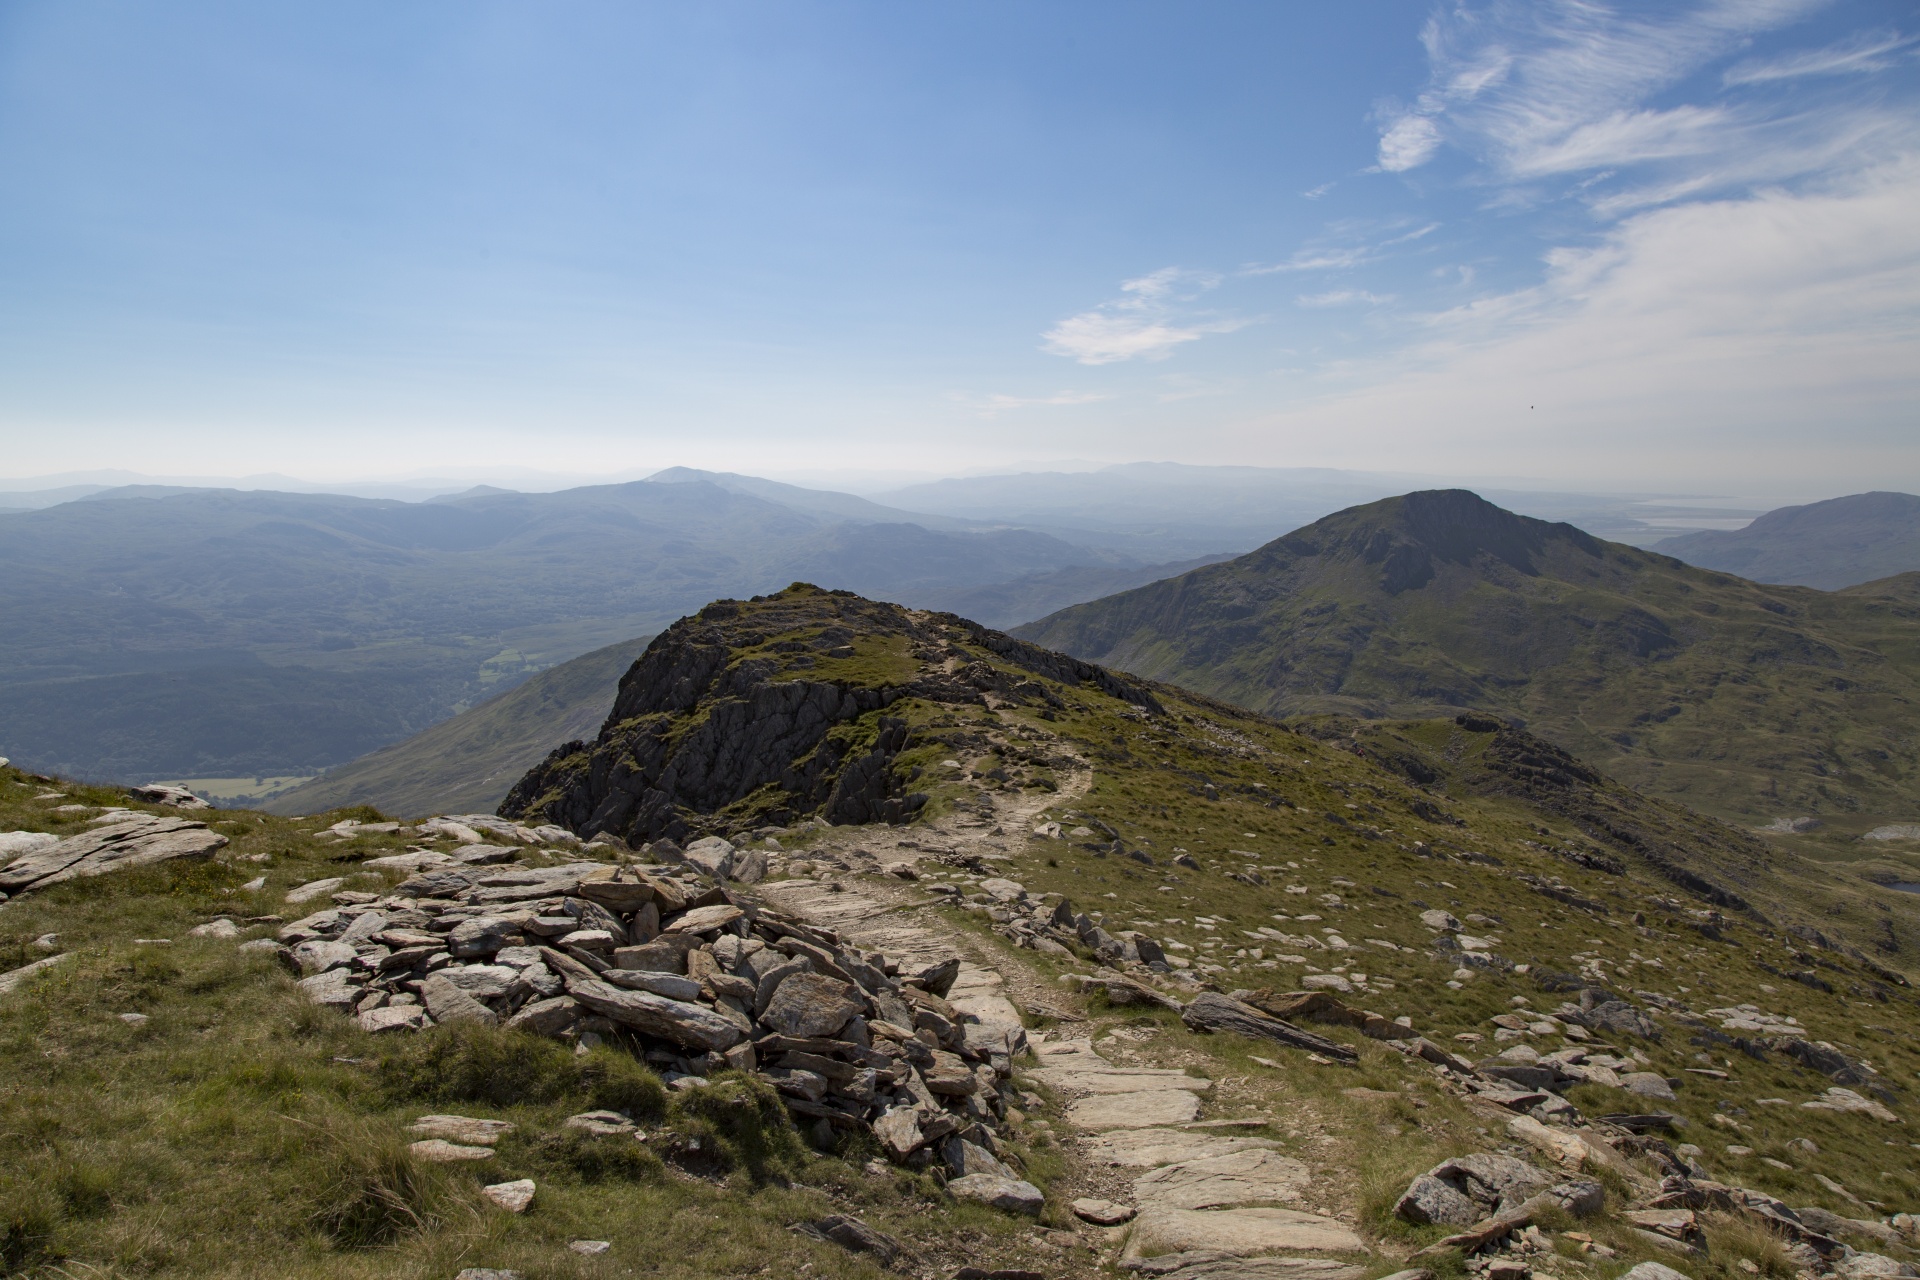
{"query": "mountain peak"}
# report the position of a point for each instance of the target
(1407, 537)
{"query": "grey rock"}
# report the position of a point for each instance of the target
(1647, 1084)
(689, 1025)
(403, 1017)
(964, 1158)
(487, 1273)
(1010, 1195)
(335, 989)
(852, 1234)
(14, 844)
(480, 936)
(217, 928)
(548, 1017)
(162, 793)
(513, 1196)
(1654, 1271)
(448, 1003)
(319, 956)
(481, 981)
(712, 855)
(670, 985)
(1582, 1197)
(12, 979)
(1440, 920)
(138, 839)
(810, 1005)
(1428, 1200)
(1209, 1012)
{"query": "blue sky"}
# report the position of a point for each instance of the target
(1662, 245)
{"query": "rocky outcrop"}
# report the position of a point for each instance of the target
(691, 976)
(129, 840)
(776, 709)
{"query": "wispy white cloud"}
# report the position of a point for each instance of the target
(1408, 142)
(1537, 90)
(1147, 322)
(1744, 337)
(1863, 54)
(991, 405)
(1343, 297)
(1316, 192)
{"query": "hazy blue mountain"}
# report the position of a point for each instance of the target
(212, 633)
(1837, 543)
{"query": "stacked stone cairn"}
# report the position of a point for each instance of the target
(690, 972)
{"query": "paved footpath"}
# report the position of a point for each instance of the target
(1211, 1204)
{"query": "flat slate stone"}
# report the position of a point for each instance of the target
(1148, 1148)
(1105, 1111)
(1210, 1265)
(1244, 1177)
(1010, 1195)
(1090, 1079)
(462, 1129)
(1239, 1232)
(439, 1151)
(1103, 1213)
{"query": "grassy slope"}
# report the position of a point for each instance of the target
(241, 1131)
(1739, 699)
(466, 764)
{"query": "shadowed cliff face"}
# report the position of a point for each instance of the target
(786, 706)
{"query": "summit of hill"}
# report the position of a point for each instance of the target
(1743, 699)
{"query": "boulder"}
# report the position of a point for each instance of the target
(810, 1005)
(219, 928)
(1647, 1084)
(480, 936)
(1440, 921)
(394, 1017)
(133, 840)
(898, 1131)
(448, 1003)
(1211, 1012)
(1010, 1195)
(712, 855)
(1430, 1201)
(702, 919)
(513, 1196)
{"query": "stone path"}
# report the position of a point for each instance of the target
(1212, 1205)
(1216, 1197)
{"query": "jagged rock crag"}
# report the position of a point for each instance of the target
(775, 709)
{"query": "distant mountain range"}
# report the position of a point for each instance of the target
(1740, 699)
(153, 632)
(1829, 545)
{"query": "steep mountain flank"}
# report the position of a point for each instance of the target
(787, 706)
(1831, 544)
(1737, 698)
(470, 761)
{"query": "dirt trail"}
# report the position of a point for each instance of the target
(1203, 1188)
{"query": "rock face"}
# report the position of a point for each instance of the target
(767, 711)
(135, 840)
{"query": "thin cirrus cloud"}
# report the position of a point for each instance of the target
(1863, 55)
(1535, 91)
(1147, 322)
(1343, 298)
